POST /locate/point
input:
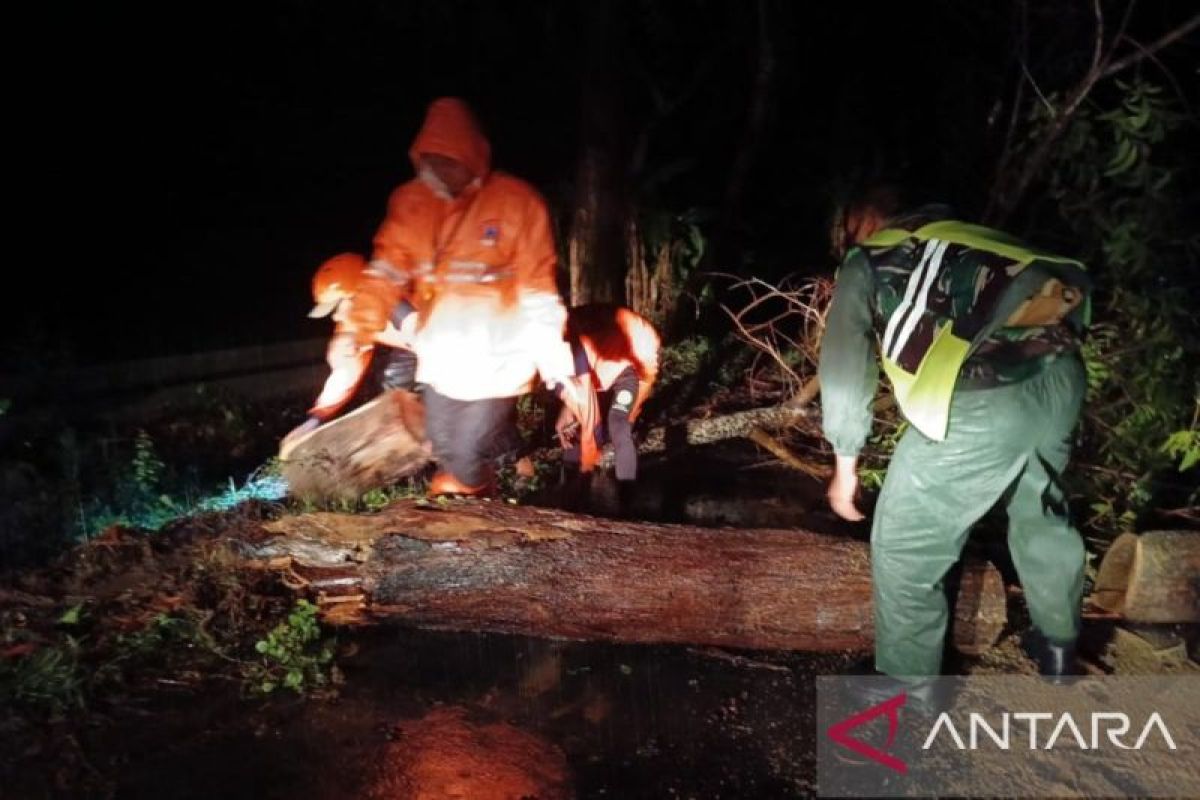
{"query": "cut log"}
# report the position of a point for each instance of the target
(373, 446)
(1152, 577)
(488, 566)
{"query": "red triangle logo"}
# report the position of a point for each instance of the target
(840, 732)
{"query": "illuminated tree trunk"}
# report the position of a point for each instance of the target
(596, 246)
(512, 569)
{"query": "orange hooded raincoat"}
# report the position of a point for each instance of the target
(479, 269)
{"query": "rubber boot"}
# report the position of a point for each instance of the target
(927, 697)
(1055, 659)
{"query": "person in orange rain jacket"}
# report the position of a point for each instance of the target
(471, 249)
(350, 350)
(617, 351)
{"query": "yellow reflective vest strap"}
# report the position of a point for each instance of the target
(924, 396)
(976, 236)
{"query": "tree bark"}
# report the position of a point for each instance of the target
(752, 133)
(720, 255)
(489, 566)
(596, 248)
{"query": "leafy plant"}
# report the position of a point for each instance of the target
(1184, 446)
(48, 679)
(873, 468)
(1116, 181)
(294, 655)
(666, 249)
(682, 360)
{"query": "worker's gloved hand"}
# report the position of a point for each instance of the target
(579, 397)
(373, 301)
(844, 488)
(368, 315)
(296, 434)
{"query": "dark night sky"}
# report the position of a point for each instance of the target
(194, 163)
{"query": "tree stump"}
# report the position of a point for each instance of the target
(1152, 577)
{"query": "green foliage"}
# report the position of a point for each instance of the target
(294, 655)
(1184, 446)
(517, 488)
(181, 629)
(682, 360)
(679, 236)
(49, 679)
(531, 415)
(72, 616)
(146, 469)
(873, 469)
(146, 493)
(370, 501)
(80, 661)
(135, 496)
(671, 247)
(1116, 181)
(408, 489)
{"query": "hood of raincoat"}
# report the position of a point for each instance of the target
(450, 130)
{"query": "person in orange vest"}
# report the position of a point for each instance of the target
(616, 350)
(350, 350)
(472, 251)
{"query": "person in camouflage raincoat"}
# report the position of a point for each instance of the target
(979, 336)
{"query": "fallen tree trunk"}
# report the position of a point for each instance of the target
(488, 566)
(727, 426)
(738, 424)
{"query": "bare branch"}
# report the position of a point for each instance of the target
(1010, 191)
(1166, 39)
(1180, 95)
(783, 322)
(1029, 76)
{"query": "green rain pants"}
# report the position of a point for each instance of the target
(1009, 442)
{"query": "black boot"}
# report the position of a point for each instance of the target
(926, 696)
(1054, 659)
(575, 488)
